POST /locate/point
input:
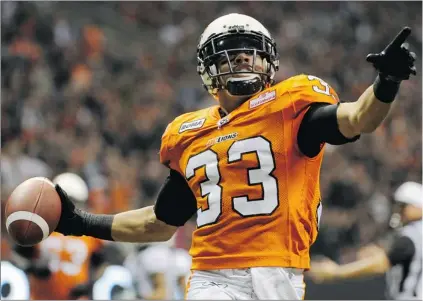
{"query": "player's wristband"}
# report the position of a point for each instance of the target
(97, 225)
(385, 89)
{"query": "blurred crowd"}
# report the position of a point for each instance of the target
(89, 87)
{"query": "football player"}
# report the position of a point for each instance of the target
(249, 166)
(400, 257)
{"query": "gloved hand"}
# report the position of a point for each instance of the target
(395, 62)
(71, 220)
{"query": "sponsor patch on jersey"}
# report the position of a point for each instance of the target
(192, 125)
(262, 99)
(222, 122)
(222, 139)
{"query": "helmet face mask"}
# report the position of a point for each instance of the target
(223, 44)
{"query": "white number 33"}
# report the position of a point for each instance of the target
(317, 89)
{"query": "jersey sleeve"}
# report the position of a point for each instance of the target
(305, 91)
(308, 89)
(176, 135)
(168, 147)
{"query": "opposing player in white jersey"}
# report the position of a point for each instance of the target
(151, 269)
(400, 258)
(160, 271)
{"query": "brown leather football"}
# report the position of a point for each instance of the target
(32, 211)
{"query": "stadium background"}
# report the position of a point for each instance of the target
(90, 87)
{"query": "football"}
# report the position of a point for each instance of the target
(32, 211)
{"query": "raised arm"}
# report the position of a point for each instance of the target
(344, 122)
(394, 64)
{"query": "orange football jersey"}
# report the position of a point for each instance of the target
(258, 196)
(69, 264)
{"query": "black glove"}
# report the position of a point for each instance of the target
(71, 220)
(76, 222)
(395, 63)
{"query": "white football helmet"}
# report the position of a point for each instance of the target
(408, 193)
(229, 35)
(73, 185)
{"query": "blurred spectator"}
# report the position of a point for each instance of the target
(17, 166)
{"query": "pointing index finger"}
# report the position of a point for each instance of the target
(399, 39)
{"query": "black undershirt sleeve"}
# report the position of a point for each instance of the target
(401, 250)
(319, 126)
(176, 203)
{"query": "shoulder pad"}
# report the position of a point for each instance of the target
(180, 125)
(307, 89)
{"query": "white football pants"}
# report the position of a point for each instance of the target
(262, 283)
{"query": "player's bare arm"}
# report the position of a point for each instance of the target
(327, 270)
(394, 64)
(344, 122)
(141, 225)
(377, 263)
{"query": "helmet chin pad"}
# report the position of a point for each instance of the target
(244, 86)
